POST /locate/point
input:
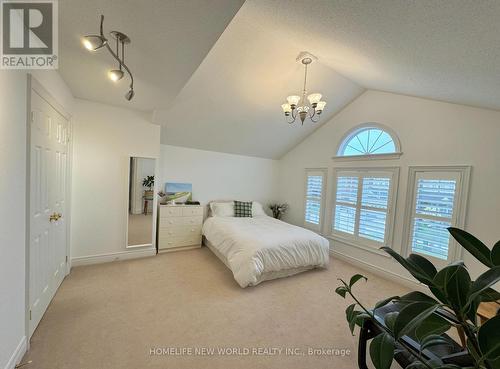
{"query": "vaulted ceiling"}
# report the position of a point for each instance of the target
(216, 74)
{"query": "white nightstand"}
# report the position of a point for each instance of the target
(179, 227)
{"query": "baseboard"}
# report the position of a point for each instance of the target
(384, 273)
(18, 354)
(115, 256)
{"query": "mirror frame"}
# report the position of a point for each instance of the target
(151, 245)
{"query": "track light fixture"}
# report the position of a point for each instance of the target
(96, 42)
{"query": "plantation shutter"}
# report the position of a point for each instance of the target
(314, 199)
(435, 195)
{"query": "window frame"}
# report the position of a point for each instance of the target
(459, 207)
(359, 128)
(324, 173)
(355, 239)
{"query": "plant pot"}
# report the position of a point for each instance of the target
(148, 193)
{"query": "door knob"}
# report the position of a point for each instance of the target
(54, 217)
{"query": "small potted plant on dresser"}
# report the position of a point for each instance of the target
(148, 182)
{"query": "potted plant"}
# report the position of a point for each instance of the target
(278, 210)
(453, 300)
(148, 182)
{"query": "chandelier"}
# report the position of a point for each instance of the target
(96, 42)
(298, 105)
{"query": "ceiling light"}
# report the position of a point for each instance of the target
(115, 75)
(95, 42)
(297, 105)
(130, 94)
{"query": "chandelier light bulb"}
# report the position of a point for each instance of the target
(314, 98)
(320, 106)
(293, 100)
(286, 108)
(115, 75)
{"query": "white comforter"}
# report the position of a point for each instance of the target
(253, 246)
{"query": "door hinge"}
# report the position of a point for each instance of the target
(30, 314)
(66, 259)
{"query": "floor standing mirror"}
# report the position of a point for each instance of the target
(141, 202)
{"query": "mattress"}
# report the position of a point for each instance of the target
(263, 248)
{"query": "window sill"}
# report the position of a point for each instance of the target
(391, 156)
(359, 246)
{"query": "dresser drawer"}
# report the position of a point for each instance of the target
(171, 222)
(166, 212)
(193, 220)
(181, 231)
(191, 211)
(171, 242)
(180, 221)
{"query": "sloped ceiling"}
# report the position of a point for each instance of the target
(169, 41)
(227, 97)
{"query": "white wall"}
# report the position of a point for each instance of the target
(219, 176)
(104, 139)
(431, 133)
(12, 212)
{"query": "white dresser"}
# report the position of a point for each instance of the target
(179, 227)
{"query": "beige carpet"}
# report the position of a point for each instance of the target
(111, 315)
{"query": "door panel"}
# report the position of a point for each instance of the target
(48, 179)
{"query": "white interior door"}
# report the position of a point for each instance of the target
(48, 205)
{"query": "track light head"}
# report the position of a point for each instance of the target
(130, 94)
(94, 42)
(115, 75)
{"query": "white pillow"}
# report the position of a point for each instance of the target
(257, 209)
(222, 209)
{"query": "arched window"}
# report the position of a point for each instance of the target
(369, 139)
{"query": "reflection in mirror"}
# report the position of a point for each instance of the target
(141, 196)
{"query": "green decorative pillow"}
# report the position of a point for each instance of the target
(243, 209)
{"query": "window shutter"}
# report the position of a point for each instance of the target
(314, 198)
(434, 202)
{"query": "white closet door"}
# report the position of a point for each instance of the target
(48, 205)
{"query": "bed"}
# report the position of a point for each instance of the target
(261, 248)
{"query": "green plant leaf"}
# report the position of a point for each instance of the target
(472, 310)
(341, 291)
(356, 278)
(423, 264)
(483, 282)
(489, 295)
(351, 316)
(432, 325)
(455, 282)
(489, 339)
(385, 301)
(415, 265)
(417, 296)
(360, 318)
(382, 351)
(495, 254)
(411, 316)
(390, 319)
(478, 249)
(435, 340)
